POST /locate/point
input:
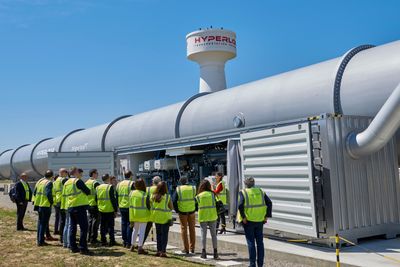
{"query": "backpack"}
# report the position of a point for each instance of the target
(13, 194)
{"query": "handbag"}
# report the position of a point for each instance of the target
(220, 207)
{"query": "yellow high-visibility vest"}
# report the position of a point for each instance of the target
(103, 198)
(123, 190)
(160, 212)
(41, 199)
(255, 207)
(186, 198)
(74, 196)
(207, 207)
(138, 211)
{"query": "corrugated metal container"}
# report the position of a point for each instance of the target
(361, 197)
(279, 159)
(316, 188)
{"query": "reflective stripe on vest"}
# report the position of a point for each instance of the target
(57, 187)
(255, 208)
(138, 211)
(123, 190)
(150, 190)
(207, 207)
(92, 197)
(103, 198)
(74, 196)
(26, 188)
(186, 198)
(160, 211)
(222, 194)
(41, 199)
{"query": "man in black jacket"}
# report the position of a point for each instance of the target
(23, 196)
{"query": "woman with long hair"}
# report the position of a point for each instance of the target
(139, 214)
(207, 208)
(161, 212)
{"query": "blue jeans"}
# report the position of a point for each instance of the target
(66, 230)
(125, 229)
(254, 233)
(43, 223)
(78, 215)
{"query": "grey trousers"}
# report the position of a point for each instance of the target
(213, 230)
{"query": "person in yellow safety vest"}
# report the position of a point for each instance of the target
(220, 191)
(207, 216)
(150, 191)
(57, 189)
(93, 211)
(43, 200)
(185, 205)
(123, 190)
(23, 196)
(139, 214)
(108, 207)
(161, 213)
(76, 202)
(254, 209)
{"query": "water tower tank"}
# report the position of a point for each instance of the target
(211, 48)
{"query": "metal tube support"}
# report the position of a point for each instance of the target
(337, 250)
(380, 131)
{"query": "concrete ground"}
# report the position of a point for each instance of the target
(233, 249)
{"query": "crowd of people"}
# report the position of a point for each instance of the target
(94, 204)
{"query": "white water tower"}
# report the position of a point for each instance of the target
(211, 48)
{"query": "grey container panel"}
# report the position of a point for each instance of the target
(279, 159)
(102, 161)
(369, 79)
(22, 162)
(85, 140)
(39, 155)
(365, 192)
(282, 97)
(5, 167)
(152, 126)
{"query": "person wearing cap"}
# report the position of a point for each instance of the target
(62, 177)
(123, 190)
(76, 192)
(43, 200)
(23, 196)
(139, 214)
(108, 207)
(94, 216)
(150, 192)
(220, 192)
(254, 209)
(185, 205)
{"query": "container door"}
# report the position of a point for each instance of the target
(280, 161)
(102, 161)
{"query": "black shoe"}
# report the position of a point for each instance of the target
(192, 251)
(75, 250)
(216, 257)
(86, 252)
(203, 254)
(94, 242)
(43, 244)
(113, 243)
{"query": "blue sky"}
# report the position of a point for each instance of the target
(79, 63)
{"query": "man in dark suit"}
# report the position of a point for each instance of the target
(23, 196)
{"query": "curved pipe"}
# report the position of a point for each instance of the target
(103, 139)
(379, 132)
(339, 75)
(1, 176)
(33, 149)
(12, 157)
(66, 136)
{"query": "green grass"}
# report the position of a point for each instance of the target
(18, 248)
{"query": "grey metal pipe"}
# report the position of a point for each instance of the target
(379, 132)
